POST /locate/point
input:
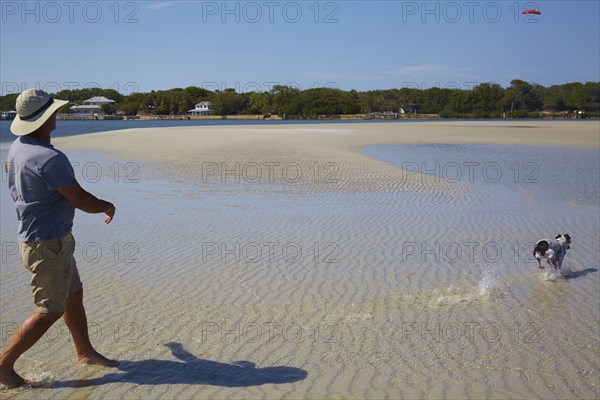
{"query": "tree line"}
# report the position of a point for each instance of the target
(520, 99)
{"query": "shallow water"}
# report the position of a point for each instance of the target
(544, 174)
(209, 290)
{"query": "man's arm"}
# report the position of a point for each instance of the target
(86, 201)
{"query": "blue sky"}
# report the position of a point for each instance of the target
(253, 45)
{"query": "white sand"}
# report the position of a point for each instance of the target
(191, 150)
(316, 274)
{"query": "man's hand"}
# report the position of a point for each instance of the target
(87, 202)
(110, 213)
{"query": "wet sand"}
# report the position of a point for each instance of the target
(283, 261)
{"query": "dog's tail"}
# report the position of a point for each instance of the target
(540, 251)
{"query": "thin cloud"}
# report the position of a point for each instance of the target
(348, 76)
(424, 72)
(428, 71)
(159, 5)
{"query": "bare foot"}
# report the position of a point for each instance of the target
(96, 358)
(11, 379)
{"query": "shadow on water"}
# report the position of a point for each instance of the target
(584, 272)
(191, 370)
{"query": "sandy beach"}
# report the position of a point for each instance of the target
(294, 262)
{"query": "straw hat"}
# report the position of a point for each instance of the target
(34, 107)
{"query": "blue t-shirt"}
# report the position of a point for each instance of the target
(35, 171)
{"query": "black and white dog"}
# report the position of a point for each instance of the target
(553, 251)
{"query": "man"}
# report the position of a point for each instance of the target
(42, 183)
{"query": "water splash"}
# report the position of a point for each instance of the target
(550, 274)
(452, 296)
(488, 281)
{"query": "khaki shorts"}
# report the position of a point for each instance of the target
(54, 270)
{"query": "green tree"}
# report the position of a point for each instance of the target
(459, 102)
(162, 109)
(108, 109)
(259, 103)
(577, 96)
(227, 103)
(521, 95)
(488, 97)
(285, 100)
(7, 102)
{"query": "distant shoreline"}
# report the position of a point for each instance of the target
(333, 117)
(341, 117)
(254, 117)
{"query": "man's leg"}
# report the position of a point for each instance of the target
(76, 320)
(26, 336)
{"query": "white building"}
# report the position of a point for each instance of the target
(202, 108)
(92, 106)
(8, 115)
